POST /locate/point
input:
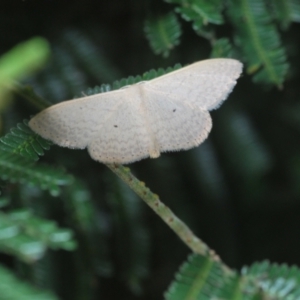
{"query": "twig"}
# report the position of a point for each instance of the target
(180, 228)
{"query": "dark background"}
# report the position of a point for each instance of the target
(239, 191)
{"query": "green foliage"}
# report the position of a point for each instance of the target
(256, 36)
(163, 33)
(276, 281)
(22, 140)
(259, 40)
(18, 151)
(16, 168)
(234, 190)
(200, 12)
(20, 290)
(200, 278)
(28, 237)
(23, 59)
(196, 279)
(286, 11)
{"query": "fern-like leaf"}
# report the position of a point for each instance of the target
(200, 279)
(200, 12)
(276, 281)
(259, 40)
(28, 237)
(16, 168)
(194, 278)
(13, 288)
(286, 11)
(22, 140)
(163, 33)
(295, 10)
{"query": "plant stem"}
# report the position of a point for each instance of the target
(180, 228)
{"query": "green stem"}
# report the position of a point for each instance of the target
(183, 231)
